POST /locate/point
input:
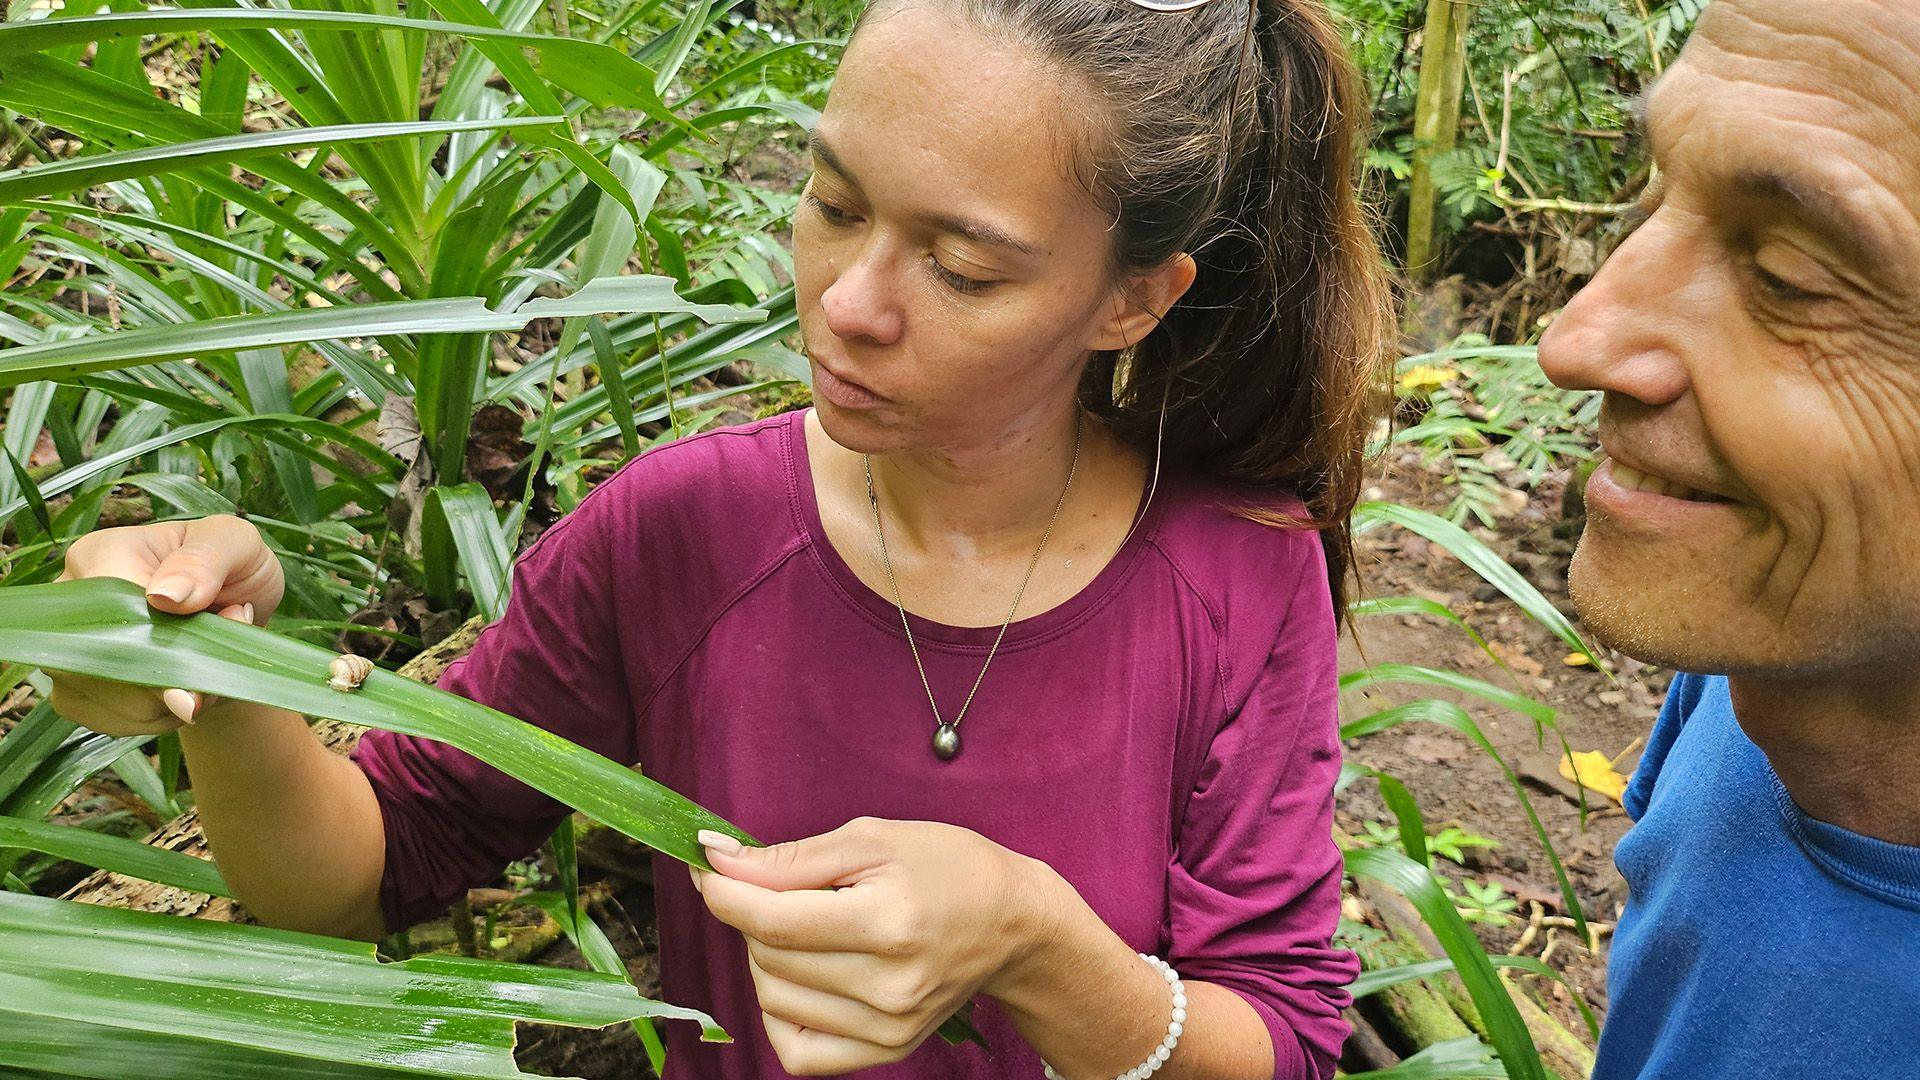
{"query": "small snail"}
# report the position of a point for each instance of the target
(348, 671)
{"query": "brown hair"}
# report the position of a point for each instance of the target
(1233, 132)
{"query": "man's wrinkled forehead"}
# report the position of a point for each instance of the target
(1848, 65)
(1813, 105)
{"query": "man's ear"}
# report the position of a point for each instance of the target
(1140, 303)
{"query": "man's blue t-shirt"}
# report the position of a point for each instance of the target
(1757, 942)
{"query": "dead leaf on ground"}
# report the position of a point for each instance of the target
(1516, 658)
(1594, 771)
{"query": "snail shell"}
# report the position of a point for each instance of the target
(348, 671)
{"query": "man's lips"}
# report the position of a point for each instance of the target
(1631, 475)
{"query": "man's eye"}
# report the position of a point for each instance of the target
(1779, 271)
(1780, 288)
(958, 282)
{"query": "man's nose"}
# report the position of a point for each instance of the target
(862, 301)
(1624, 332)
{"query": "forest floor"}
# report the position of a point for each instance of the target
(1453, 780)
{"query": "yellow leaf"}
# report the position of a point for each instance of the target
(1594, 771)
(1424, 377)
(1574, 659)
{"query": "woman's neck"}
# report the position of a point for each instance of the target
(985, 498)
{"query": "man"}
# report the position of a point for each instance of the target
(1758, 341)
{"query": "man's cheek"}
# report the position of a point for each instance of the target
(1861, 422)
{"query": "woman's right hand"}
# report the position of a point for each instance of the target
(217, 563)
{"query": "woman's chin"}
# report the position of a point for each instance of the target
(862, 431)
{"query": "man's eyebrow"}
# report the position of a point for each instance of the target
(977, 231)
(1826, 213)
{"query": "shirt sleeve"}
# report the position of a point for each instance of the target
(1254, 889)
(553, 660)
(1683, 694)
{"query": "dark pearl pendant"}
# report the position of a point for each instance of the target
(946, 742)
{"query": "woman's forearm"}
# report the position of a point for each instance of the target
(294, 827)
(1094, 1009)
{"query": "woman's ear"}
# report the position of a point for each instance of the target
(1142, 300)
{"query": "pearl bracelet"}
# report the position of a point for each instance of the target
(1174, 1027)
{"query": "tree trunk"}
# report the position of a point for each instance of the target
(1436, 123)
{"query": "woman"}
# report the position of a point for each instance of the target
(1022, 640)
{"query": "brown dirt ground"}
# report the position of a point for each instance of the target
(1454, 782)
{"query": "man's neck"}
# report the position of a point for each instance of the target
(1847, 749)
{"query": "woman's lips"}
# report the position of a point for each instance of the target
(842, 392)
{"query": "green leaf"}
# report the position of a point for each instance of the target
(73, 174)
(464, 516)
(1481, 559)
(470, 314)
(113, 459)
(607, 363)
(1533, 709)
(681, 43)
(121, 856)
(1447, 714)
(143, 779)
(1405, 810)
(1420, 605)
(31, 494)
(27, 415)
(597, 949)
(1505, 1029)
(88, 990)
(599, 73)
(104, 627)
(31, 743)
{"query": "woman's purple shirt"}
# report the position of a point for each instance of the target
(1165, 739)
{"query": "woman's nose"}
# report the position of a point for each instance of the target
(1621, 333)
(862, 301)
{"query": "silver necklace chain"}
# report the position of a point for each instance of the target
(946, 741)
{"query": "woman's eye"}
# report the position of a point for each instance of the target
(957, 282)
(833, 214)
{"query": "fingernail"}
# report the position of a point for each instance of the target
(246, 613)
(698, 874)
(175, 589)
(720, 842)
(179, 703)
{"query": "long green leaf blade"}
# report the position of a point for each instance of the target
(104, 627)
(1505, 1028)
(122, 856)
(1483, 560)
(468, 314)
(74, 174)
(247, 995)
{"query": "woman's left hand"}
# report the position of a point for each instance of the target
(921, 916)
